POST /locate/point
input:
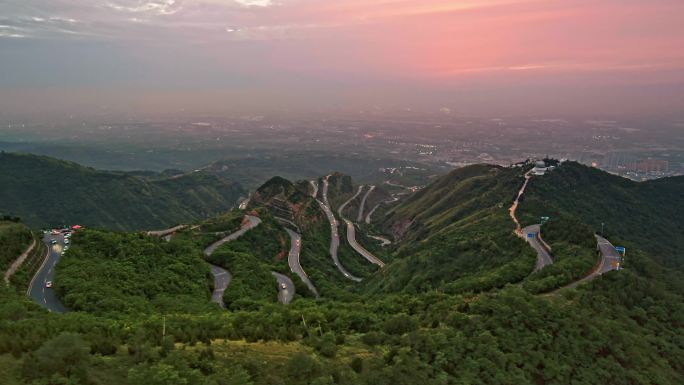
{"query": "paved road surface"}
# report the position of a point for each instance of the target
(162, 233)
(314, 185)
(37, 291)
(610, 257)
(334, 237)
(221, 276)
(251, 223)
(19, 261)
(359, 217)
(384, 240)
(221, 281)
(610, 260)
(293, 260)
(285, 288)
(287, 222)
(543, 256)
(391, 200)
(351, 234)
(341, 208)
(351, 238)
(368, 216)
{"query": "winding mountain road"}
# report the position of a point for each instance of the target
(334, 236)
(383, 241)
(221, 276)
(391, 200)
(221, 281)
(37, 290)
(610, 260)
(286, 288)
(250, 223)
(351, 234)
(533, 237)
(351, 238)
(359, 217)
(165, 232)
(293, 260)
(314, 185)
(341, 208)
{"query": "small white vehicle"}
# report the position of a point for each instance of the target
(48, 284)
(283, 286)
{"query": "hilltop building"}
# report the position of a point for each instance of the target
(539, 168)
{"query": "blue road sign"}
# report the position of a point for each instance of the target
(530, 235)
(620, 249)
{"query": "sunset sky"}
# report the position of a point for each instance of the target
(530, 57)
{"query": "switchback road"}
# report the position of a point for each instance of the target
(250, 223)
(359, 217)
(285, 288)
(221, 281)
(163, 233)
(293, 260)
(314, 185)
(37, 290)
(532, 236)
(334, 236)
(221, 276)
(351, 238)
(610, 260)
(351, 233)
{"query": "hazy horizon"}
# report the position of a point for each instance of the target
(487, 57)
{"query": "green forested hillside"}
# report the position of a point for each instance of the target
(292, 201)
(573, 247)
(15, 237)
(456, 234)
(114, 273)
(646, 215)
(439, 313)
(49, 192)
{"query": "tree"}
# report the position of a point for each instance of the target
(67, 356)
(158, 374)
(303, 368)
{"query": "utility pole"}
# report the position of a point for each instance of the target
(163, 326)
(602, 233)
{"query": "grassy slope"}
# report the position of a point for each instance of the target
(50, 192)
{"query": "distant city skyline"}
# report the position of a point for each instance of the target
(529, 57)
